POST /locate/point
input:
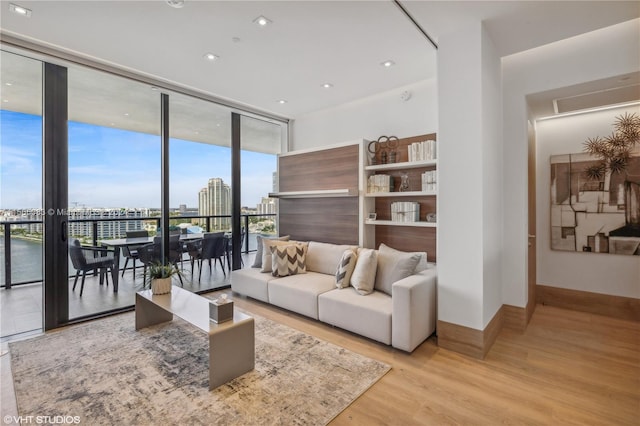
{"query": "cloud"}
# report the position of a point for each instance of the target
(18, 161)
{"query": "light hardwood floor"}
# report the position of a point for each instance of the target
(567, 368)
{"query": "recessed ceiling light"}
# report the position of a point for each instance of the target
(218, 125)
(282, 101)
(387, 63)
(20, 10)
(210, 56)
(178, 4)
(126, 114)
(112, 124)
(5, 100)
(8, 84)
(262, 21)
(327, 85)
(154, 88)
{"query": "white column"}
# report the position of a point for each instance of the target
(469, 196)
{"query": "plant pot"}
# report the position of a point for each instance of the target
(161, 285)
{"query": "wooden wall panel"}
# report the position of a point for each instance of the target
(469, 341)
(330, 220)
(335, 168)
(408, 239)
(626, 308)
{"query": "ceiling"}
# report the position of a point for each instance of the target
(308, 43)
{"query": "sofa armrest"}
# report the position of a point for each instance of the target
(414, 309)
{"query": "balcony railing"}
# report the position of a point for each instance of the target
(203, 221)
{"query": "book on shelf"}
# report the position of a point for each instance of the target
(380, 183)
(421, 151)
(429, 181)
(405, 211)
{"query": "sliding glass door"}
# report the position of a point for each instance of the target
(200, 186)
(21, 213)
(114, 182)
(261, 141)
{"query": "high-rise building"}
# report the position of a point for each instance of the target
(266, 206)
(105, 229)
(215, 200)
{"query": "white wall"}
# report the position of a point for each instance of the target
(369, 118)
(600, 273)
(600, 54)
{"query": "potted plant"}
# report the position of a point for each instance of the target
(159, 278)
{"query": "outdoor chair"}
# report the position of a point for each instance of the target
(85, 259)
(131, 252)
(213, 246)
(151, 253)
(230, 248)
(194, 248)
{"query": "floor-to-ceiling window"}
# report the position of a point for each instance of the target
(21, 211)
(200, 182)
(107, 149)
(261, 141)
(114, 177)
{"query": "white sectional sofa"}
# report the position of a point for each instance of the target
(404, 318)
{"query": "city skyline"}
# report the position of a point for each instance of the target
(111, 167)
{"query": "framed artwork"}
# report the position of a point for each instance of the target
(595, 212)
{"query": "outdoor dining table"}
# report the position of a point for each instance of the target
(118, 243)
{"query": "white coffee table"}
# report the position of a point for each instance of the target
(231, 343)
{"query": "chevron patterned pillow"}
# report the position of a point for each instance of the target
(345, 269)
(288, 259)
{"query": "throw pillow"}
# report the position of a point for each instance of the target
(345, 268)
(267, 259)
(422, 264)
(394, 265)
(257, 261)
(364, 274)
(288, 260)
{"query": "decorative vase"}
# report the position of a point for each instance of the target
(404, 182)
(161, 285)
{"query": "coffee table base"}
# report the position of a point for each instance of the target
(231, 343)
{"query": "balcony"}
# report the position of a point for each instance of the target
(21, 286)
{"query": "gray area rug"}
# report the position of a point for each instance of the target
(108, 374)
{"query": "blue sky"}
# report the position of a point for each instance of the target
(118, 168)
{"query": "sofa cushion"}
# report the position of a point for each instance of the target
(368, 316)
(299, 293)
(324, 257)
(251, 282)
(364, 274)
(288, 260)
(345, 269)
(394, 265)
(257, 261)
